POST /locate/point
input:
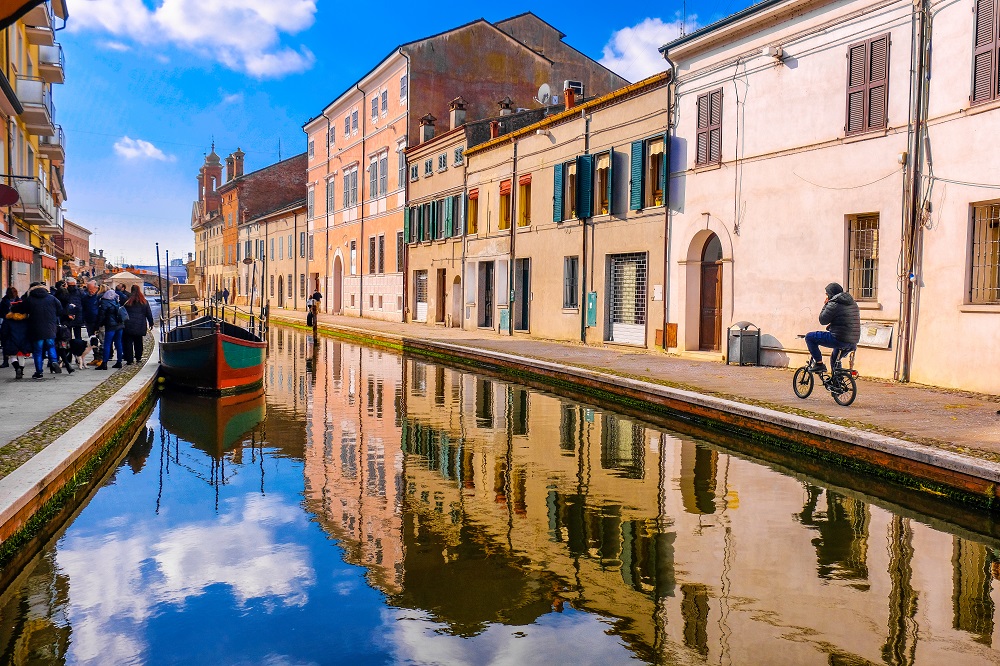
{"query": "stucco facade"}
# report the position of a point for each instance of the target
(830, 169)
(363, 133)
(276, 242)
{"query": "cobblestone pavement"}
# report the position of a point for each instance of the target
(955, 420)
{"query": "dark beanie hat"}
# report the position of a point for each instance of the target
(833, 289)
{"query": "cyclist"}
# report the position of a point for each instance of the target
(842, 319)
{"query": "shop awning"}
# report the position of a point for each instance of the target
(11, 250)
(48, 261)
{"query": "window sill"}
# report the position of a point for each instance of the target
(976, 307)
(869, 305)
(698, 168)
(874, 134)
(523, 227)
(573, 311)
(982, 108)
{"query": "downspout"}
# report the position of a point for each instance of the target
(912, 222)
(667, 235)
(406, 195)
(361, 187)
(295, 255)
(512, 211)
(326, 251)
(583, 264)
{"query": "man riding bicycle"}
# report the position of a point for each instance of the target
(842, 319)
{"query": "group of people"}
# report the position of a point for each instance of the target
(47, 324)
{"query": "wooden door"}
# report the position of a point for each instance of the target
(710, 330)
(442, 289)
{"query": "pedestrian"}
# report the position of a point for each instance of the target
(113, 323)
(8, 299)
(44, 314)
(122, 293)
(140, 322)
(74, 308)
(91, 300)
(842, 319)
(14, 334)
(225, 296)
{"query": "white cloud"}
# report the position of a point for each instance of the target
(131, 149)
(115, 46)
(244, 35)
(232, 98)
(633, 52)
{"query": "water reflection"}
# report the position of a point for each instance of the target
(384, 509)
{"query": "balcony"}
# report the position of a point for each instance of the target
(40, 35)
(53, 147)
(39, 16)
(36, 206)
(52, 63)
(39, 112)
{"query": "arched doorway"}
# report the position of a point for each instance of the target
(710, 306)
(338, 286)
(456, 302)
(281, 291)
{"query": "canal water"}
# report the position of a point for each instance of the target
(373, 509)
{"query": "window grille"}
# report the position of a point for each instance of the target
(628, 288)
(984, 285)
(862, 273)
(371, 255)
(291, 286)
(570, 286)
(381, 254)
(428, 167)
(458, 155)
(442, 162)
(399, 251)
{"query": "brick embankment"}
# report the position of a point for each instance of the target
(944, 439)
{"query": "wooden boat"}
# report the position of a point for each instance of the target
(211, 355)
(213, 425)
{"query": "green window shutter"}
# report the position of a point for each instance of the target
(434, 220)
(557, 193)
(584, 186)
(635, 184)
(448, 221)
(406, 225)
(611, 181)
(421, 224)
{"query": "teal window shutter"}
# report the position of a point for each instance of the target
(665, 177)
(434, 220)
(448, 221)
(635, 185)
(584, 186)
(406, 225)
(611, 181)
(557, 193)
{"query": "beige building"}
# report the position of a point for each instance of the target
(800, 156)
(276, 242)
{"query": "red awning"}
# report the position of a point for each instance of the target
(524, 180)
(474, 193)
(48, 261)
(11, 250)
(505, 187)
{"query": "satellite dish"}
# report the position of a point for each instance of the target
(8, 195)
(544, 94)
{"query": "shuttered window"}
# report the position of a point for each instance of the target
(987, 49)
(584, 185)
(557, 193)
(709, 136)
(867, 85)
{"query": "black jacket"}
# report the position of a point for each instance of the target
(44, 312)
(140, 319)
(107, 315)
(841, 317)
(74, 305)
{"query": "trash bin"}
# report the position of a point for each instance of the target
(743, 344)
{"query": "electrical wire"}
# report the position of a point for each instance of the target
(849, 187)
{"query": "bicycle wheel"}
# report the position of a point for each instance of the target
(846, 389)
(802, 383)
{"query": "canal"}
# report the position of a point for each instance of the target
(369, 508)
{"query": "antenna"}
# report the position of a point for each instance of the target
(684, 17)
(279, 148)
(544, 94)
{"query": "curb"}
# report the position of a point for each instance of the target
(26, 492)
(919, 467)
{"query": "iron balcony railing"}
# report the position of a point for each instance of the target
(52, 63)
(53, 146)
(36, 203)
(39, 111)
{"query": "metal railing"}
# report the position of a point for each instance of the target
(35, 91)
(34, 195)
(58, 139)
(52, 55)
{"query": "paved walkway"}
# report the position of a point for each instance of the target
(953, 420)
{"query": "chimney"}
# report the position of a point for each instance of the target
(457, 115)
(229, 168)
(100, 252)
(190, 257)
(570, 97)
(427, 128)
(494, 129)
(506, 106)
(238, 162)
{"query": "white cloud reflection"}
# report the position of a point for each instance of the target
(117, 582)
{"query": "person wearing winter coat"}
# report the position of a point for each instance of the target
(8, 299)
(90, 299)
(44, 314)
(140, 321)
(74, 308)
(123, 295)
(14, 335)
(842, 319)
(108, 317)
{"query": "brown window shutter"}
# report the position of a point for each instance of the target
(878, 81)
(715, 128)
(984, 60)
(704, 116)
(857, 58)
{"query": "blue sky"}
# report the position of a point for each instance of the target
(149, 83)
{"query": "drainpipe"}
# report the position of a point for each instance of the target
(667, 236)
(583, 263)
(326, 252)
(295, 255)
(912, 222)
(513, 243)
(406, 196)
(361, 187)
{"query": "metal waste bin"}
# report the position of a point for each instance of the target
(743, 344)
